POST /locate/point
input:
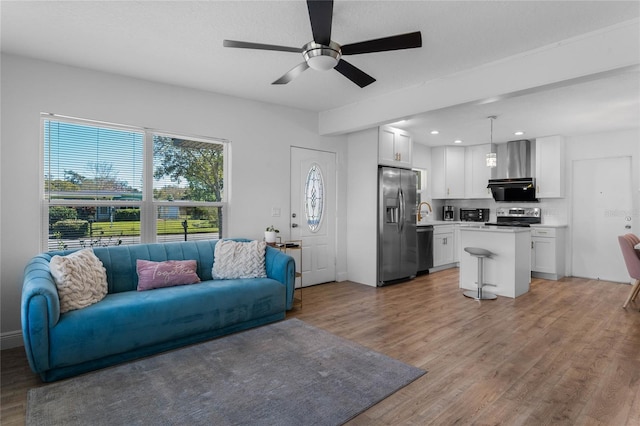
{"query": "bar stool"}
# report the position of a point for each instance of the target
(480, 254)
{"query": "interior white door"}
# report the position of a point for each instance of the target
(601, 211)
(313, 212)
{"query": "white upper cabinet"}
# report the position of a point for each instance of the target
(477, 174)
(447, 172)
(394, 147)
(550, 167)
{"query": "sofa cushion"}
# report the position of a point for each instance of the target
(131, 320)
(236, 259)
(80, 278)
(165, 274)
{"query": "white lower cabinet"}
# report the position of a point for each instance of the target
(547, 252)
(456, 246)
(443, 245)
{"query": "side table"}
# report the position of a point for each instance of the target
(291, 247)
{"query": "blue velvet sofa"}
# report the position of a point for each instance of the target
(129, 324)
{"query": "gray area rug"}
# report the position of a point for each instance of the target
(287, 373)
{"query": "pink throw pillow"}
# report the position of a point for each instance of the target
(165, 274)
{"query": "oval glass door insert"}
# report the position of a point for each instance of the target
(314, 197)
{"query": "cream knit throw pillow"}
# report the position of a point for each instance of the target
(235, 259)
(80, 278)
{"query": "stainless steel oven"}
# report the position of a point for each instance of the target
(517, 216)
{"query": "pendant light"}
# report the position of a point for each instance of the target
(492, 160)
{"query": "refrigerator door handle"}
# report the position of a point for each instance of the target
(402, 207)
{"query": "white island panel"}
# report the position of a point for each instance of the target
(509, 269)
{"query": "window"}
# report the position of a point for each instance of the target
(314, 198)
(187, 187)
(111, 185)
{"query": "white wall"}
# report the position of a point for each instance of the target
(260, 134)
(362, 187)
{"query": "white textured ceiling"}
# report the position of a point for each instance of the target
(180, 42)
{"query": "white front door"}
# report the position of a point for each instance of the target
(313, 212)
(601, 212)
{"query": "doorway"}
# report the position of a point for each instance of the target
(601, 212)
(313, 212)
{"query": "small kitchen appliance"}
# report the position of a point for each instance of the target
(517, 216)
(448, 213)
(474, 215)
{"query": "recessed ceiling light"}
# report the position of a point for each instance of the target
(434, 132)
(519, 133)
(457, 141)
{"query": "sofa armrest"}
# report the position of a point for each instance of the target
(40, 310)
(281, 267)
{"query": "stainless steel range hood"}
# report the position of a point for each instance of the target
(518, 159)
(514, 181)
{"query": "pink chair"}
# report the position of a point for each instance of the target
(632, 260)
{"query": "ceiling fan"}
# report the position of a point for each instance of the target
(322, 53)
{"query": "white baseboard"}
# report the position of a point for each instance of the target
(11, 339)
(341, 276)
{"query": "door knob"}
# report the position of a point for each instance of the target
(294, 225)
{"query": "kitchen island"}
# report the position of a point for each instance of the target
(508, 270)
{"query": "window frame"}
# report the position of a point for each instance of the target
(148, 206)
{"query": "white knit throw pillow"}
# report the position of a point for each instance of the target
(80, 278)
(235, 259)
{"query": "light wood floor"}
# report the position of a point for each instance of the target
(565, 353)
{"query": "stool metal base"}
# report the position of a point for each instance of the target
(473, 294)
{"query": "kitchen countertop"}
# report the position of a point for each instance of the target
(501, 229)
(437, 222)
(467, 224)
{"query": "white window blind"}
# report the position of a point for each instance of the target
(100, 191)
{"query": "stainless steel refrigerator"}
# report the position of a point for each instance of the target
(397, 241)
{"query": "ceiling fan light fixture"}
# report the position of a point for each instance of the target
(321, 57)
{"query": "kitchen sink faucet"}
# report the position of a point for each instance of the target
(420, 209)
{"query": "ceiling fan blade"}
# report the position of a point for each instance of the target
(321, 15)
(260, 46)
(397, 42)
(354, 74)
(292, 73)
